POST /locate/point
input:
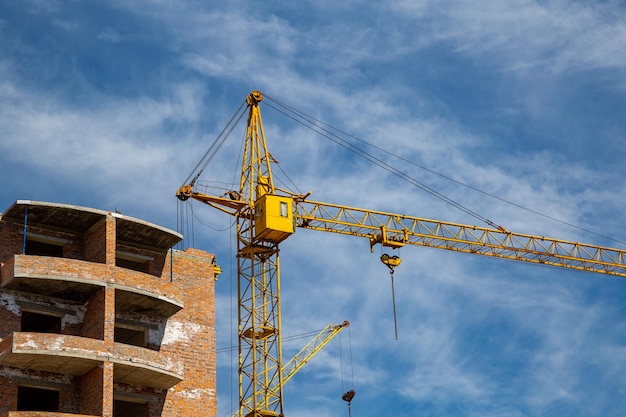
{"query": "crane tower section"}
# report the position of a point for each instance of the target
(264, 221)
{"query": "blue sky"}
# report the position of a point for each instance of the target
(110, 104)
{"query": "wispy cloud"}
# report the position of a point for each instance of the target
(486, 94)
(110, 35)
(552, 36)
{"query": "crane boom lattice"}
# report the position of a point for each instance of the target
(396, 230)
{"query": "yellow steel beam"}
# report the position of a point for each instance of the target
(395, 230)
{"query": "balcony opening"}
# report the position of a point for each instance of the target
(40, 323)
(123, 408)
(37, 399)
(130, 336)
(134, 265)
(132, 261)
(34, 247)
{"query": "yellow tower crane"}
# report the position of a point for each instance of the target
(266, 215)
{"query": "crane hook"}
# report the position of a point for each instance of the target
(392, 262)
(347, 397)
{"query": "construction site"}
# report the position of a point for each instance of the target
(101, 316)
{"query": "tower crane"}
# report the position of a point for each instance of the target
(266, 216)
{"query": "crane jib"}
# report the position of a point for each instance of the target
(395, 230)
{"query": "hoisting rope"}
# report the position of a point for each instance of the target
(392, 262)
(215, 146)
(185, 220)
(348, 395)
(185, 224)
(315, 125)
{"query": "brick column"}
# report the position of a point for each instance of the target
(111, 241)
(109, 316)
(107, 389)
(8, 396)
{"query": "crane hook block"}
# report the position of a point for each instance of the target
(390, 261)
(348, 396)
(184, 192)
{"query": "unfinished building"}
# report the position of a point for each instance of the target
(99, 316)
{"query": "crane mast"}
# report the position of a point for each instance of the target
(265, 216)
(264, 219)
(260, 351)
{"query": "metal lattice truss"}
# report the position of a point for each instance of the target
(260, 358)
(303, 356)
(396, 230)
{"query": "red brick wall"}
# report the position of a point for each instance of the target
(10, 240)
(93, 324)
(91, 391)
(70, 399)
(192, 337)
(9, 311)
(95, 249)
(8, 395)
(188, 336)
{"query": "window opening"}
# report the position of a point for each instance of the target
(134, 265)
(134, 261)
(123, 408)
(40, 323)
(135, 337)
(284, 209)
(37, 399)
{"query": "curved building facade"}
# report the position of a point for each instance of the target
(99, 316)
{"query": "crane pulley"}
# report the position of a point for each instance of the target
(390, 261)
(266, 216)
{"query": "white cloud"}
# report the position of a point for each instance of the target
(137, 147)
(527, 35)
(109, 34)
(455, 313)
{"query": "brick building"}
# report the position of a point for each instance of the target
(100, 317)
